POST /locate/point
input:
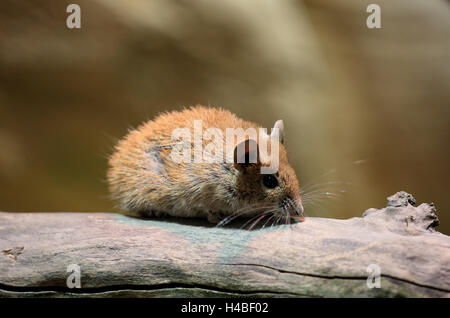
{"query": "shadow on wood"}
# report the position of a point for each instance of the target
(121, 256)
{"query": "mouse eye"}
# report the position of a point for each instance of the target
(270, 181)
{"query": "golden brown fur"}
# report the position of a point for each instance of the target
(144, 179)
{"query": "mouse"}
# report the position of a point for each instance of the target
(147, 178)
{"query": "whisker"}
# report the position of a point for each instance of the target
(319, 194)
(276, 221)
(307, 189)
(319, 190)
(259, 217)
(268, 220)
(241, 212)
(251, 219)
(331, 171)
(257, 221)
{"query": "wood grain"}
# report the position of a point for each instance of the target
(122, 256)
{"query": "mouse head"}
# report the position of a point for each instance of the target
(278, 191)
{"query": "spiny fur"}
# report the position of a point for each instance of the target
(144, 179)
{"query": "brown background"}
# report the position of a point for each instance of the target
(345, 92)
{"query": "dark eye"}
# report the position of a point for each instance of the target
(270, 181)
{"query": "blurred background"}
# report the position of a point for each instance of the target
(366, 110)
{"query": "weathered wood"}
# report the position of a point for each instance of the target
(124, 256)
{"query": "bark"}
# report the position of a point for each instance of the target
(124, 256)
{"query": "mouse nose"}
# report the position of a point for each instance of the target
(299, 209)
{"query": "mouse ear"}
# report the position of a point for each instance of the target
(246, 153)
(280, 125)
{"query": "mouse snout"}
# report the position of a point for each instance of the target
(298, 205)
(299, 209)
(293, 206)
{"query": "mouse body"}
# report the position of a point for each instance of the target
(146, 177)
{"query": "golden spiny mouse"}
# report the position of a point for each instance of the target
(144, 178)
